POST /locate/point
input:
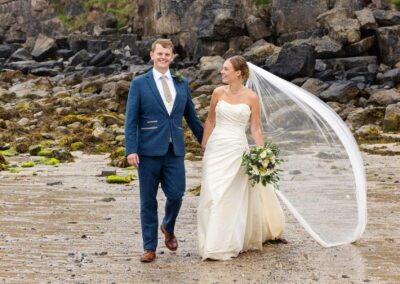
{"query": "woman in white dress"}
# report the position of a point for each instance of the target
(233, 216)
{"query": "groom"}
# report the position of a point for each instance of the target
(154, 138)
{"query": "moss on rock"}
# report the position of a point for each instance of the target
(49, 161)
(29, 164)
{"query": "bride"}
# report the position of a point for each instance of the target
(233, 216)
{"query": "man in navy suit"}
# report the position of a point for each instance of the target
(154, 139)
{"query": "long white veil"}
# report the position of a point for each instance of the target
(323, 181)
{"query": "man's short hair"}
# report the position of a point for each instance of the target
(164, 42)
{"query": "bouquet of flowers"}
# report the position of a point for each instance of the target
(260, 164)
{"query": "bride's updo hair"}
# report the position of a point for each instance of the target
(239, 64)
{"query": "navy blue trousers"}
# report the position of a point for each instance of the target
(169, 170)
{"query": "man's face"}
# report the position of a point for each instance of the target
(162, 57)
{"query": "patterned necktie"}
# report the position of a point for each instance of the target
(167, 91)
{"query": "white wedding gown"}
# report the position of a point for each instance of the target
(233, 216)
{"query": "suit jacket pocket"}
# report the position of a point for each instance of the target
(149, 128)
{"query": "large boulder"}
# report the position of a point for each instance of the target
(332, 15)
(210, 66)
(390, 76)
(363, 116)
(212, 48)
(346, 63)
(341, 92)
(340, 26)
(44, 47)
(82, 57)
(391, 121)
(103, 58)
(345, 30)
(259, 51)
(387, 17)
(256, 28)
(5, 51)
(315, 86)
(366, 19)
(361, 46)
(385, 97)
(40, 87)
(21, 54)
(324, 47)
(95, 46)
(240, 43)
(389, 44)
(294, 61)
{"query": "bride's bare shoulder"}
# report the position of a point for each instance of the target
(251, 94)
(220, 89)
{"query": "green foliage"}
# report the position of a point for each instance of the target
(121, 9)
(397, 3)
(77, 146)
(262, 2)
(101, 148)
(120, 151)
(195, 190)
(14, 171)
(118, 179)
(9, 153)
(390, 127)
(261, 164)
(121, 179)
(29, 164)
(22, 106)
(44, 153)
(49, 161)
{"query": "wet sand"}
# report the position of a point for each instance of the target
(68, 233)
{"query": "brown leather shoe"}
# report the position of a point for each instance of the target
(170, 240)
(148, 256)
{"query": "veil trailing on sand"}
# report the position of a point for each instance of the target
(323, 180)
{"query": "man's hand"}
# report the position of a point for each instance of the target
(133, 159)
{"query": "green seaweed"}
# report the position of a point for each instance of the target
(29, 164)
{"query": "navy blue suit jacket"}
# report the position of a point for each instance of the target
(149, 127)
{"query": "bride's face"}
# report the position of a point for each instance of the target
(229, 74)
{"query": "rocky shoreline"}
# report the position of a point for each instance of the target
(68, 92)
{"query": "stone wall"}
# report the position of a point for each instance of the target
(20, 19)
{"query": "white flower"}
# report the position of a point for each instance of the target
(263, 154)
(255, 170)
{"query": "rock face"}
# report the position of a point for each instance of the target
(392, 118)
(294, 61)
(293, 16)
(43, 48)
(20, 19)
(199, 27)
(389, 44)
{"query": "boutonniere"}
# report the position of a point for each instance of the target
(177, 75)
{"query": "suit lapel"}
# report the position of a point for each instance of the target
(153, 87)
(179, 95)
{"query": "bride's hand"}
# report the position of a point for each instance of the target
(203, 146)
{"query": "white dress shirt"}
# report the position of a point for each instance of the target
(157, 78)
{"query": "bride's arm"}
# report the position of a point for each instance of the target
(255, 127)
(210, 121)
